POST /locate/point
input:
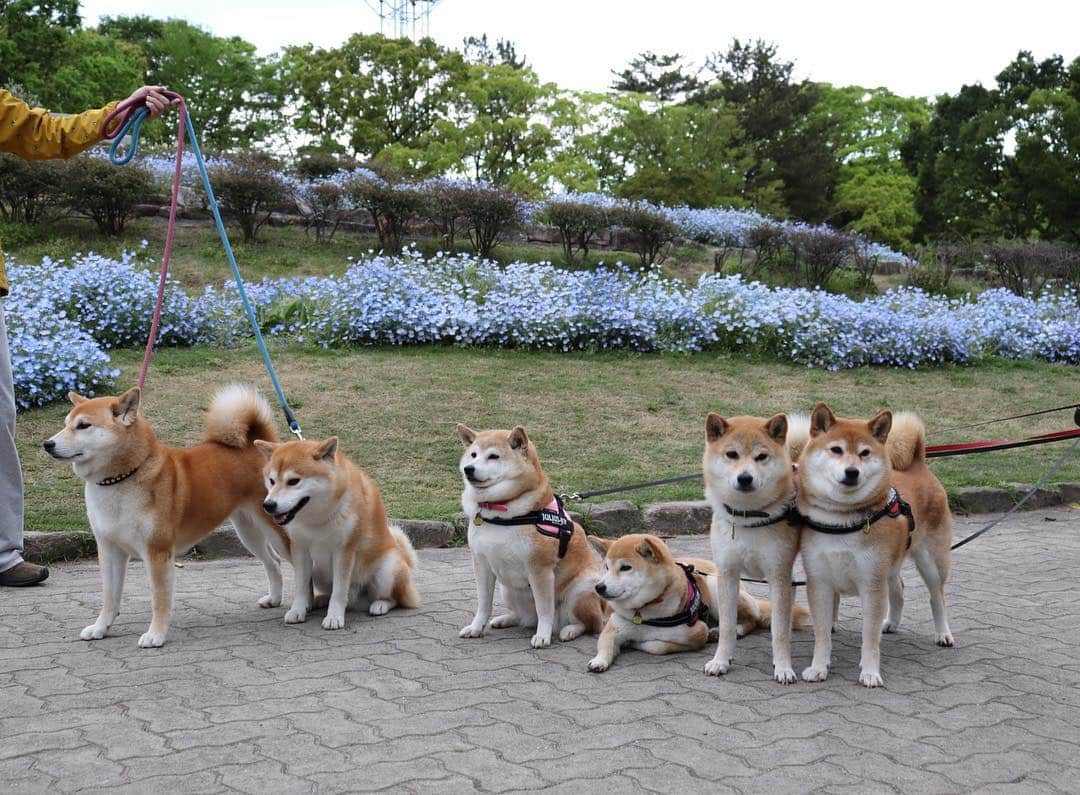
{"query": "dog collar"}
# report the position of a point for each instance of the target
(895, 506)
(789, 514)
(550, 521)
(117, 478)
(694, 606)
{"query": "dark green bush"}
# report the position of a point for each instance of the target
(652, 231)
(489, 215)
(392, 207)
(249, 187)
(1029, 267)
(30, 190)
(817, 253)
(579, 223)
(106, 193)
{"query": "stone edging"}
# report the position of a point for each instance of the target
(605, 518)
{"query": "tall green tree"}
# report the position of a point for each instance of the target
(372, 93)
(665, 77)
(232, 93)
(32, 38)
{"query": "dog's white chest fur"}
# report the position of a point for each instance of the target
(507, 551)
(322, 541)
(846, 561)
(122, 515)
(754, 552)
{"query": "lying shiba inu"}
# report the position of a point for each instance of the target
(867, 498)
(749, 485)
(662, 604)
(336, 522)
(520, 536)
(153, 502)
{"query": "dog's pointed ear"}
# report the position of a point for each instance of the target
(327, 450)
(776, 427)
(822, 420)
(126, 407)
(466, 434)
(75, 398)
(715, 426)
(648, 548)
(519, 440)
(266, 448)
(601, 545)
(880, 425)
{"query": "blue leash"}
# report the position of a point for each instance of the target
(132, 127)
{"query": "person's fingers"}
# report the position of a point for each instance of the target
(156, 104)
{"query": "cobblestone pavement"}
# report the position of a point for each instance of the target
(236, 700)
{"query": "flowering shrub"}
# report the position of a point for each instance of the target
(64, 316)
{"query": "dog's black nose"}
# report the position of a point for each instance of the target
(601, 588)
(469, 471)
(851, 476)
(270, 506)
(49, 445)
(745, 480)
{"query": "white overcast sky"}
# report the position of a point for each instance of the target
(914, 47)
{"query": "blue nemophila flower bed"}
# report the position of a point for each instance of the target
(64, 316)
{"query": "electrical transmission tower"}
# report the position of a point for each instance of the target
(403, 19)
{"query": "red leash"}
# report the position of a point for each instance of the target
(941, 450)
(116, 123)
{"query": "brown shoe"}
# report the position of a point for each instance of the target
(22, 574)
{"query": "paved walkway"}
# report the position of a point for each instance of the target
(238, 701)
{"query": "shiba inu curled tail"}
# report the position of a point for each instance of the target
(521, 538)
(341, 541)
(151, 501)
(867, 499)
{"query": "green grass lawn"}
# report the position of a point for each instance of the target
(598, 419)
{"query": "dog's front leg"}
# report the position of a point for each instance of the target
(302, 593)
(343, 561)
(822, 596)
(485, 594)
(607, 647)
(162, 572)
(874, 606)
(543, 588)
(113, 563)
(782, 596)
(727, 611)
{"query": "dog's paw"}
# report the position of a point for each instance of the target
(471, 631)
(270, 601)
(571, 631)
(785, 676)
(741, 630)
(295, 616)
(944, 639)
(888, 627)
(598, 664)
(94, 632)
(715, 667)
(380, 607)
(333, 622)
(504, 621)
(815, 673)
(541, 640)
(152, 640)
(870, 679)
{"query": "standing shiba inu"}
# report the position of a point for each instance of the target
(750, 487)
(520, 536)
(336, 522)
(866, 498)
(153, 502)
(661, 604)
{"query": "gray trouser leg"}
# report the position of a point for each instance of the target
(11, 482)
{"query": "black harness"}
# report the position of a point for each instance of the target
(894, 508)
(553, 524)
(695, 608)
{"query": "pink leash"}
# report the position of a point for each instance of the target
(114, 126)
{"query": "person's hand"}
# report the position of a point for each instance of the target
(154, 99)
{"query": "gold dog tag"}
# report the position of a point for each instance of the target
(478, 519)
(866, 527)
(637, 618)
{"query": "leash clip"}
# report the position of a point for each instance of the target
(571, 497)
(297, 432)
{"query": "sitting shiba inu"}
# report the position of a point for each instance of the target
(750, 487)
(336, 522)
(867, 498)
(662, 604)
(153, 502)
(521, 537)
